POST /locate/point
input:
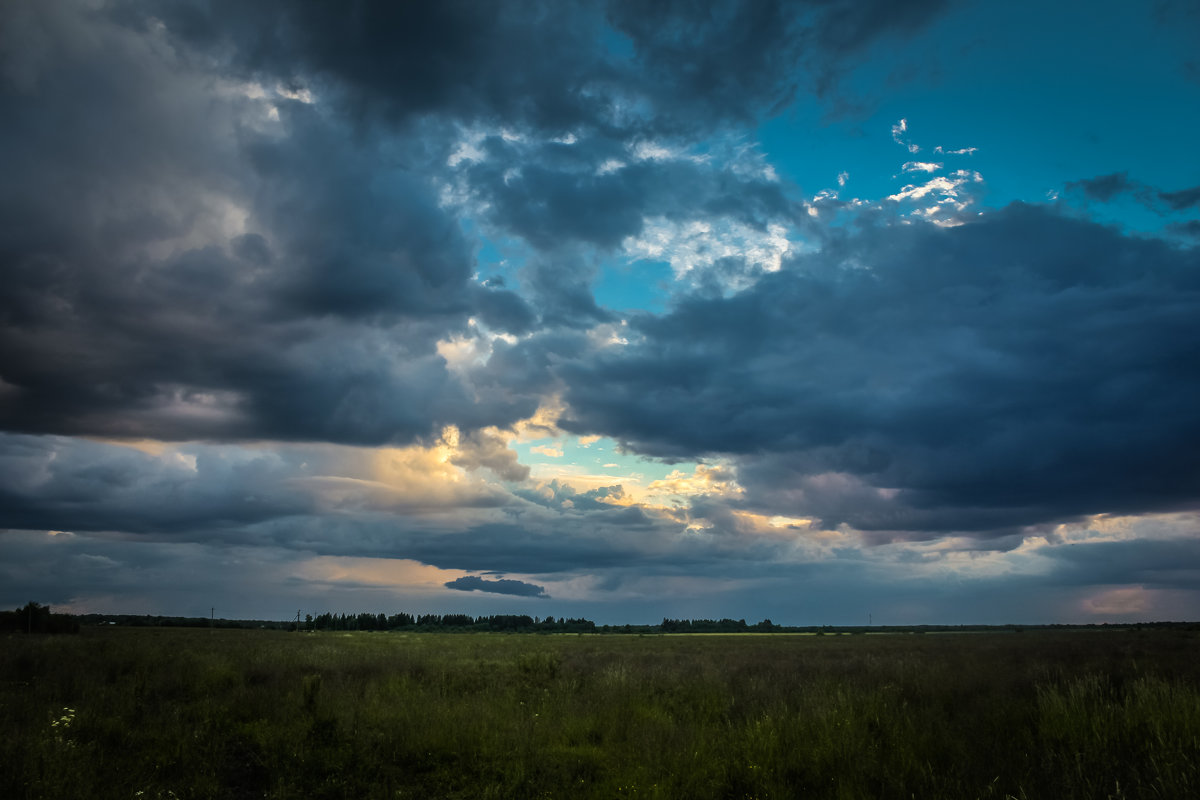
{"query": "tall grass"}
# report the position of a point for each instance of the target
(159, 713)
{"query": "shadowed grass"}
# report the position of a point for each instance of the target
(237, 714)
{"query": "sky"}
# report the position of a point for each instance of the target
(823, 312)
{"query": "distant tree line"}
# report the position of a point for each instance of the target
(160, 621)
(36, 618)
(514, 623)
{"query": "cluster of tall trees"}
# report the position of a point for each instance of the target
(36, 618)
(715, 626)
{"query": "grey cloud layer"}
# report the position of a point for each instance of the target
(77, 485)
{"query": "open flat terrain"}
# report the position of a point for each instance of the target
(173, 713)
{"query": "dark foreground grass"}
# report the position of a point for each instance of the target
(161, 713)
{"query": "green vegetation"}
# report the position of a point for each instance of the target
(176, 713)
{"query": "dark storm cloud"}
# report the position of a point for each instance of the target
(521, 63)
(505, 311)
(572, 201)
(192, 250)
(561, 290)
(316, 499)
(542, 63)
(137, 304)
(132, 575)
(477, 449)
(364, 237)
(329, 500)
(558, 495)
(732, 59)
(570, 211)
(473, 583)
(1024, 368)
(1107, 187)
(528, 366)
(627, 540)
(523, 536)
(554, 208)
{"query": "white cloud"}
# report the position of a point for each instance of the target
(700, 244)
(653, 151)
(945, 195)
(466, 150)
(921, 166)
(898, 136)
(946, 187)
(609, 166)
(942, 185)
(302, 94)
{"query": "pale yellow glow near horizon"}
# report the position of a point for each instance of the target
(380, 572)
(1122, 600)
(151, 447)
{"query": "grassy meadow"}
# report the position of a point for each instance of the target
(170, 713)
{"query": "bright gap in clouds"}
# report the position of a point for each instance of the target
(590, 463)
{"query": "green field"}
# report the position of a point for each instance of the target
(169, 713)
